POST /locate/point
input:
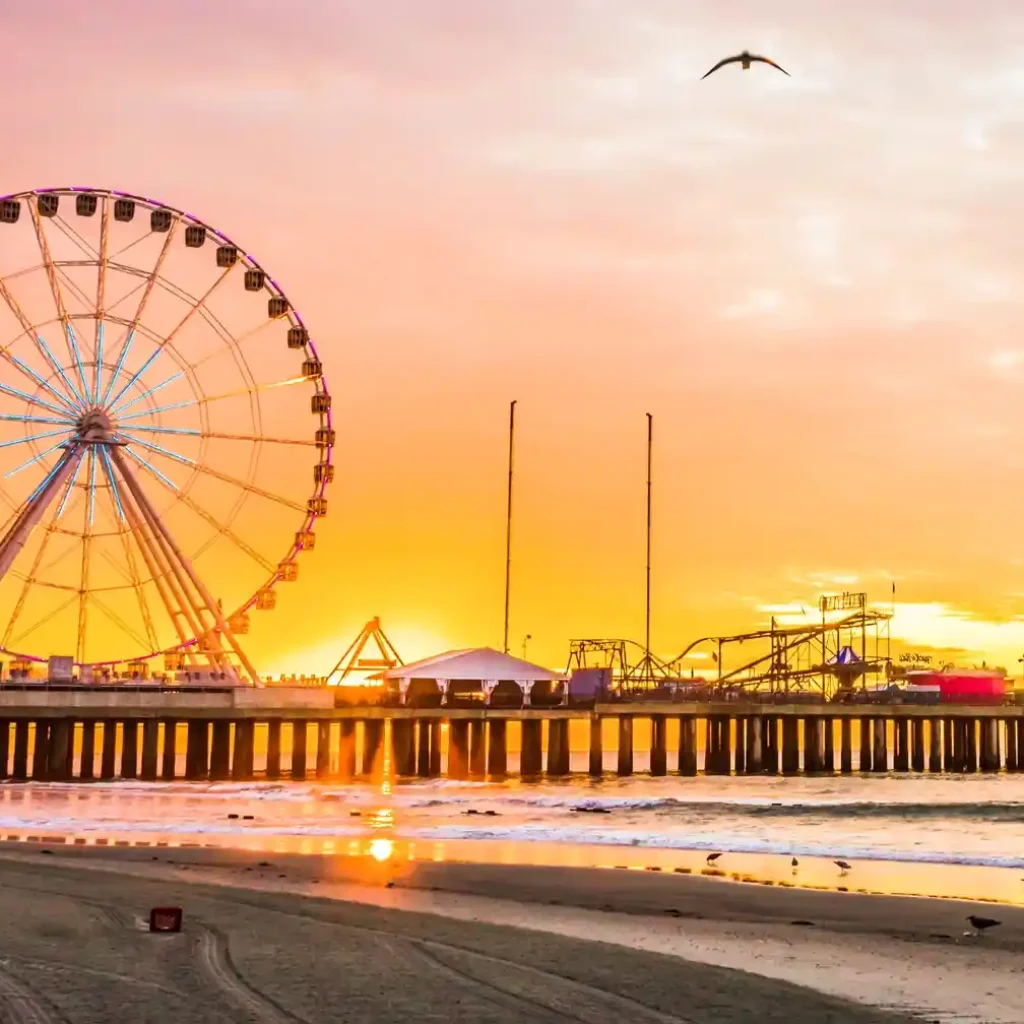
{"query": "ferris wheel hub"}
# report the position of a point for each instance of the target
(93, 426)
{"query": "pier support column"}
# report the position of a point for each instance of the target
(949, 762)
(458, 749)
(846, 745)
(197, 749)
(867, 745)
(497, 748)
(790, 745)
(625, 766)
(596, 766)
(130, 749)
(740, 745)
(558, 747)
(323, 749)
(60, 750)
(901, 755)
(41, 751)
(813, 743)
(87, 765)
(531, 762)
(1012, 755)
(934, 745)
(242, 755)
(220, 750)
(403, 747)
(917, 745)
(880, 754)
(169, 767)
(423, 748)
(108, 752)
(347, 749)
(150, 748)
(717, 756)
(373, 744)
(687, 745)
(659, 745)
(299, 737)
(971, 744)
(19, 763)
(5, 747)
(828, 726)
(274, 749)
(755, 751)
(771, 744)
(435, 748)
(990, 753)
(478, 748)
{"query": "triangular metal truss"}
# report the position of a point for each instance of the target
(353, 666)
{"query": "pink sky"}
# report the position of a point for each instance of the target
(812, 282)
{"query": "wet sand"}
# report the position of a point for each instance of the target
(285, 947)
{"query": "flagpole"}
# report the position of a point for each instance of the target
(647, 626)
(508, 516)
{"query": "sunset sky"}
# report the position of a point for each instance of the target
(812, 282)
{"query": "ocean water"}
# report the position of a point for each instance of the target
(952, 820)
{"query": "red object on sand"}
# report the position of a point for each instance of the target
(165, 919)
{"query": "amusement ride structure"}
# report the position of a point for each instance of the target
(847, 646)
(167, 437)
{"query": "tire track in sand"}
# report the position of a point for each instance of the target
(20, 1004)
(590, 1004)
(214, 961)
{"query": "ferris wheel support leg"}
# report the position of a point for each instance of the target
(161, 576)
(34, 509)
(182, 560)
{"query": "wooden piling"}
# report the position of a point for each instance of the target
(687, 745)
(659, 745)
(625, 765)
(497, 748)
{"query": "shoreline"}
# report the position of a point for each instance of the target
(988, 884)
(905, 953)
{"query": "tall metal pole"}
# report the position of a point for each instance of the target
(508, 515)
(647, 628)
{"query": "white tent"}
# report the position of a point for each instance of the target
(475, 664)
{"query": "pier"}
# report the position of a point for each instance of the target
(236, 734)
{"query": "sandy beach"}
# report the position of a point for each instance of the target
(293, 938)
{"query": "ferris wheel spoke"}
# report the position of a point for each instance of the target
(211, 520)
(29, 330)
(83, 589)
(236, 342)
(151, 280)
(200, 467)
(40, 381)
(197, 306)
(114, 491)
(71, 484)
(29, 438)
(55, 289)
(101, 295)
(69, 232)
(211, 435)
(113, 409)
(207, 399)
(59, 370)
(31, 399)
(133, 572)
(134, 377)
(33, 461)
(11, 417)
(118, 368)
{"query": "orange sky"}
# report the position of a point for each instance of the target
(811, 282)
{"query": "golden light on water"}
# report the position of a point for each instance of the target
(382, 849)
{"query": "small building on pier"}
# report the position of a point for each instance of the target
(476, 675)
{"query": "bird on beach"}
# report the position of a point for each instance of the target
(745, 59)
(794, 862)
(980, 924)
(842, 865)
(712, 857)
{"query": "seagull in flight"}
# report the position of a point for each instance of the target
(745, 59)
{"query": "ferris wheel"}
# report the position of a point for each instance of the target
(165, 435)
